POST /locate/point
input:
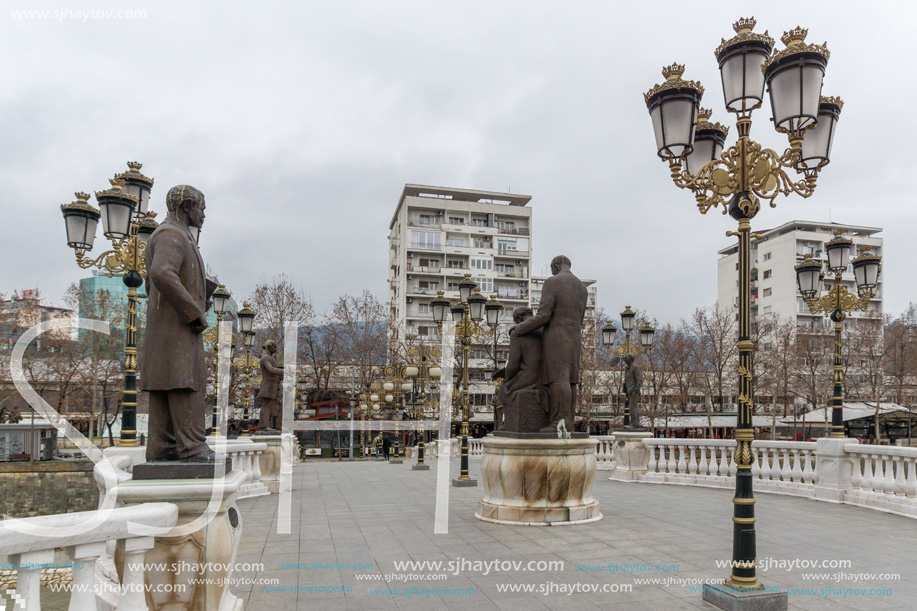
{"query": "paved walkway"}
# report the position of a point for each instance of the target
(365, 512)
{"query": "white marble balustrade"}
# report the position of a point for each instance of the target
(883, 477)
(475, 448)
(84, 549)
(604, 452)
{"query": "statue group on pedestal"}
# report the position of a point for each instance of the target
(539, 390)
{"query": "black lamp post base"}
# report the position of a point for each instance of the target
(463, 483)
(420, 467)
(730, 599)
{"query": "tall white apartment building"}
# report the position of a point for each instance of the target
(439, 234)
(773, 277)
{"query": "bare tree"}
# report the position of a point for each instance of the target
(361, 322)
(278, 303)
(868, 350)
(715, 354)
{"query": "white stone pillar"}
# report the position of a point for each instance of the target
(833, 468)
(631, 455)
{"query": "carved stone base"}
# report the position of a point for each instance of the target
(631, 455)
(276, 473)
(538, 482)
(208, 552)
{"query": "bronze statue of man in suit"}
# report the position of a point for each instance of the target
(172, 368)
(633, 381)
(270, 394)
(561, 312)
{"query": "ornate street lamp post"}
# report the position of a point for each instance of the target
(609, 337)
(839, 302)
(220, 305)
(248, 363)
(423, 367)
(466, 313)
(739, 178)
(128, 225)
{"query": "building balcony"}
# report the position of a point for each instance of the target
(511, 294)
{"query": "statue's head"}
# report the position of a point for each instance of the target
(185, 200)
(629, 359)
(559, 264)
(270, 345)
(521, 314)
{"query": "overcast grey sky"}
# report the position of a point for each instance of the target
(302, 121)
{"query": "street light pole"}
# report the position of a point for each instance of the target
(609, 338)
(128, 225)
(838, 303)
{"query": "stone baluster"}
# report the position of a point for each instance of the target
(28, 580)
(764, 466)
(681, 466)
(888, 469)
(132, 580)
(808, 472)
(900, 462)
(256, 465)
(652, 462)
(869, 472)
(84, 573)
(856, 478)
(796, 473)
(692, 466)
(247, 464)
(755, 461)
(702, 461)
(910, 486)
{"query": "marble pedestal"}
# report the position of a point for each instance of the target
(209, 552)
(538, 482)
(277, 462)
(834, 469)
(631, 455)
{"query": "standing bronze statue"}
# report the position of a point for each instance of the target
(172, 367)
(561, 312)
(633, 381)
(271, 393)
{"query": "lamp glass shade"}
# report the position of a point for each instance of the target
(80, 221)
(466, 286)
(388, 387)
(374, 398)
(458, 312)
(439, 305)
(117, 215)
(866, 269)
(808, 278)
(708, 144)
(249, 340)
(246, 319)
(494, 312)
(647, 334)
(411, 371)
(627, 319)
(220, 300)
(816, 146)
(609, 332)
(476, 303)
(740, 72)
(406, 387)
(794, 79)
(141, 192)
(389, 398)
(839, 253)
(145, 231)
(673, 119)
(435, 372)
(302, 384)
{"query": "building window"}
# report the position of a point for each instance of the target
(455, 242)
(481, 264)
(503, 246)
(481, 244)
(479, 222)
(427, 240)
(767, 292)
(423, 331)
(455, 265)
(455, 220)
(767, 274)
(424, 308)
(767, 256)
(485, 284)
